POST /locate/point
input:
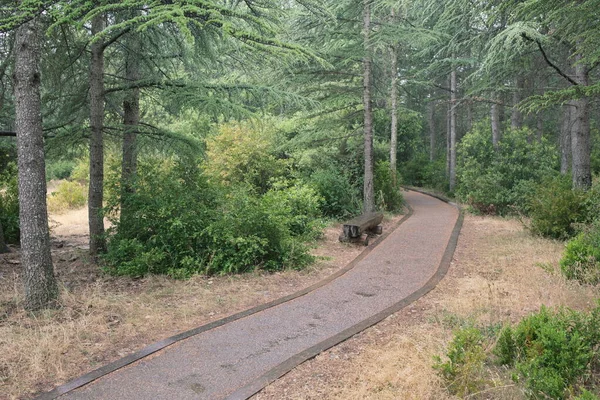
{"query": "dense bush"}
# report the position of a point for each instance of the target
(421, 172)
(9, 203)
(555, 208)
(340, 197)
(179, 223)
(244, 153)
(68, 195)
(581, 259)
(496, 180)
(464, 369)
(387, 192)
(554, 353)
(61, 169)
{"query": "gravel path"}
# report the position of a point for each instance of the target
(235, 360)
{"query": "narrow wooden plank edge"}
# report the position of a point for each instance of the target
(277, 372)
(163, 344)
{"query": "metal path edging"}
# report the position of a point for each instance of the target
(277, 372)
(163, 344)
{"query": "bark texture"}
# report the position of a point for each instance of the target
(565, 138)
(495, 117)
(431, 123)
(394, 116)
(40, 284)
(448, 111)
(516, 118)
(453, 104)
(580, 136)
(368, 190)
(96, 191)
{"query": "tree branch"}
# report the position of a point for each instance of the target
(550, 63)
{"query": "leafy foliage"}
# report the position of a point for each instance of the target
(68, 195)
(9, 203)
(181, 224)
(581, 259)
(494, 181)
(553, 352)
(61, 169)
(243, 153)
(340, 197)
(555, 208)
(463, 372)
(387, 192)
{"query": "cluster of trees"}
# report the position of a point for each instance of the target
(361, 82)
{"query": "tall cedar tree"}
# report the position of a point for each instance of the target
(40, 284)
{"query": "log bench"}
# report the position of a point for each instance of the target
(369, 223)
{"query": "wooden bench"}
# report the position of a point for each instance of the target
(369, 223)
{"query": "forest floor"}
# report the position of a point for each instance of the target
(499, 274)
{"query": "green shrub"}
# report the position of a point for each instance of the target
(553, 353)
(340, 198)
(554, 208)
(244, 153)
(420, 172)
(464, 370)
(387, 192)
(81, 171)
(179, 224)
(592, 203)
(506, 347)
(581, 259)
(586, 395)
(68, 196)
(497, 180)
(9, 204)
(61, 169)
(298, 206)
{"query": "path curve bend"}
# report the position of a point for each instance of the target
(236, 359)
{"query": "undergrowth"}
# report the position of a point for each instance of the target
(550, 354)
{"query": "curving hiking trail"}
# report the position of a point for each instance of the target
(240, 357)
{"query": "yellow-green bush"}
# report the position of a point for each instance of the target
(243, 153)
(68, 195)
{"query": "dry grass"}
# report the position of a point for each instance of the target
(102, 318)
(499, 274)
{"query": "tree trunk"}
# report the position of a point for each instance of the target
(448, 112)
(3, 247)
(40, 283)
(453, 128)
(431, 123)
(539, 126)
(580, 137)
(470, 116)
(565, 138)
(394, 112)
(516, 118)
(495, 117)
(131, 119)
(96, 190)
(368, 192)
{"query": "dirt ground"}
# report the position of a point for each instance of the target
(103, 318)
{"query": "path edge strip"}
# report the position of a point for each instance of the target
(163, 344)
(277, 372)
